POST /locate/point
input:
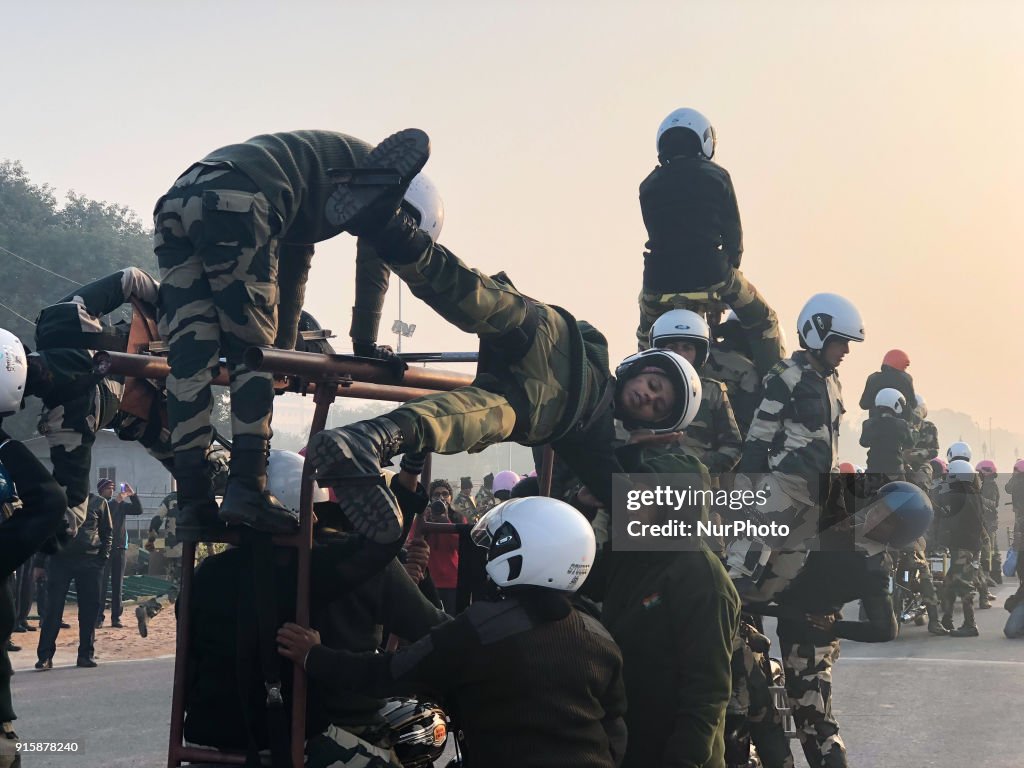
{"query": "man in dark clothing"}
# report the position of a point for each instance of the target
(852, 564)
(39, 517)
(82, 560)
(234, 238)
(695, 241)
(674, 615)
(127, 503)
(528, 678)
(965, 507)
(887, 436)
(356, 586)
(893, 374)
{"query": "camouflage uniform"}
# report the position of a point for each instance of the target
(713, 436)
(167, 515)
(234, 239)
(77, 402)
(752, 701)
(548, 384)
(794, 437)
(741, 379)
(923, 571)
(809, 688)
(1015, 487)
(350, 747)
(961, 581)
(991, 558)
(759, 321)
(926, 448)
(463, 505)
(484, 498)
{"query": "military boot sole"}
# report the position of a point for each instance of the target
(252, 508)
(404, 153)
(344, 457)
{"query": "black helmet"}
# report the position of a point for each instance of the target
(419, 730)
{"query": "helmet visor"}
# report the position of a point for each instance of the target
(483, 532)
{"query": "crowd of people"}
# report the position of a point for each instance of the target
(544, 642)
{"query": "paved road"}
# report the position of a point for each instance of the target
(920, 702)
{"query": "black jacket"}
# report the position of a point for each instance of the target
(965, 510)
(118, 511)
(892, 378)
(829, 580)
(693, 225)
(886, 437)
(43, 502)
(529, 681)
(95, 534)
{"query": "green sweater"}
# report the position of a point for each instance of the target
(292, 170)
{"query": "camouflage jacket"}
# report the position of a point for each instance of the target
(484, 501)
(795, 430)
(737, 372)
(464, 507)
(926, 445)
(713, 436)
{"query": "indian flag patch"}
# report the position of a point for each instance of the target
(651, 600)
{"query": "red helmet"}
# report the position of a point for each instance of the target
(1018, 465)
(986, 467)
(896, 358)
(939, 464)
(847, 468)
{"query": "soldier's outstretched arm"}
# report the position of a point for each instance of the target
(733, 235)
(372, 277)
(294, 261)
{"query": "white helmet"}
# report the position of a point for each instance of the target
(423, 196)
(536, 541)
(683, 325)
(685, 381)
(13, 371)
(826, 316)
(284, 479)
(689, 119)
(505, 481)
(960, 470)
(920, 407)
(892, 399)
(959, 450)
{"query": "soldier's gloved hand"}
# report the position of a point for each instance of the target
(413, 462)
(380, 352)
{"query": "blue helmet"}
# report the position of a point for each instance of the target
(899, 514)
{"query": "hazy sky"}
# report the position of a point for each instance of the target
(875, 146)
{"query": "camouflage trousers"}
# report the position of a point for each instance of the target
(343, 748)
(809, 688)
(991, 557)
(752, 701)
(961, 580)
(472, 418)
(759, 321)
(787, 503)
(215, 237)
(70, 431)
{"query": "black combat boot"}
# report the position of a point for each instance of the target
(350, 460)
(969, 628)
(197, 507)
(934, 625)
(367, 197)
(247, 500)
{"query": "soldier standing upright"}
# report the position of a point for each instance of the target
(463, 506)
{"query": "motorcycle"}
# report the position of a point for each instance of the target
(419, 732)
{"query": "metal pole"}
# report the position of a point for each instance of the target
(400, 317)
